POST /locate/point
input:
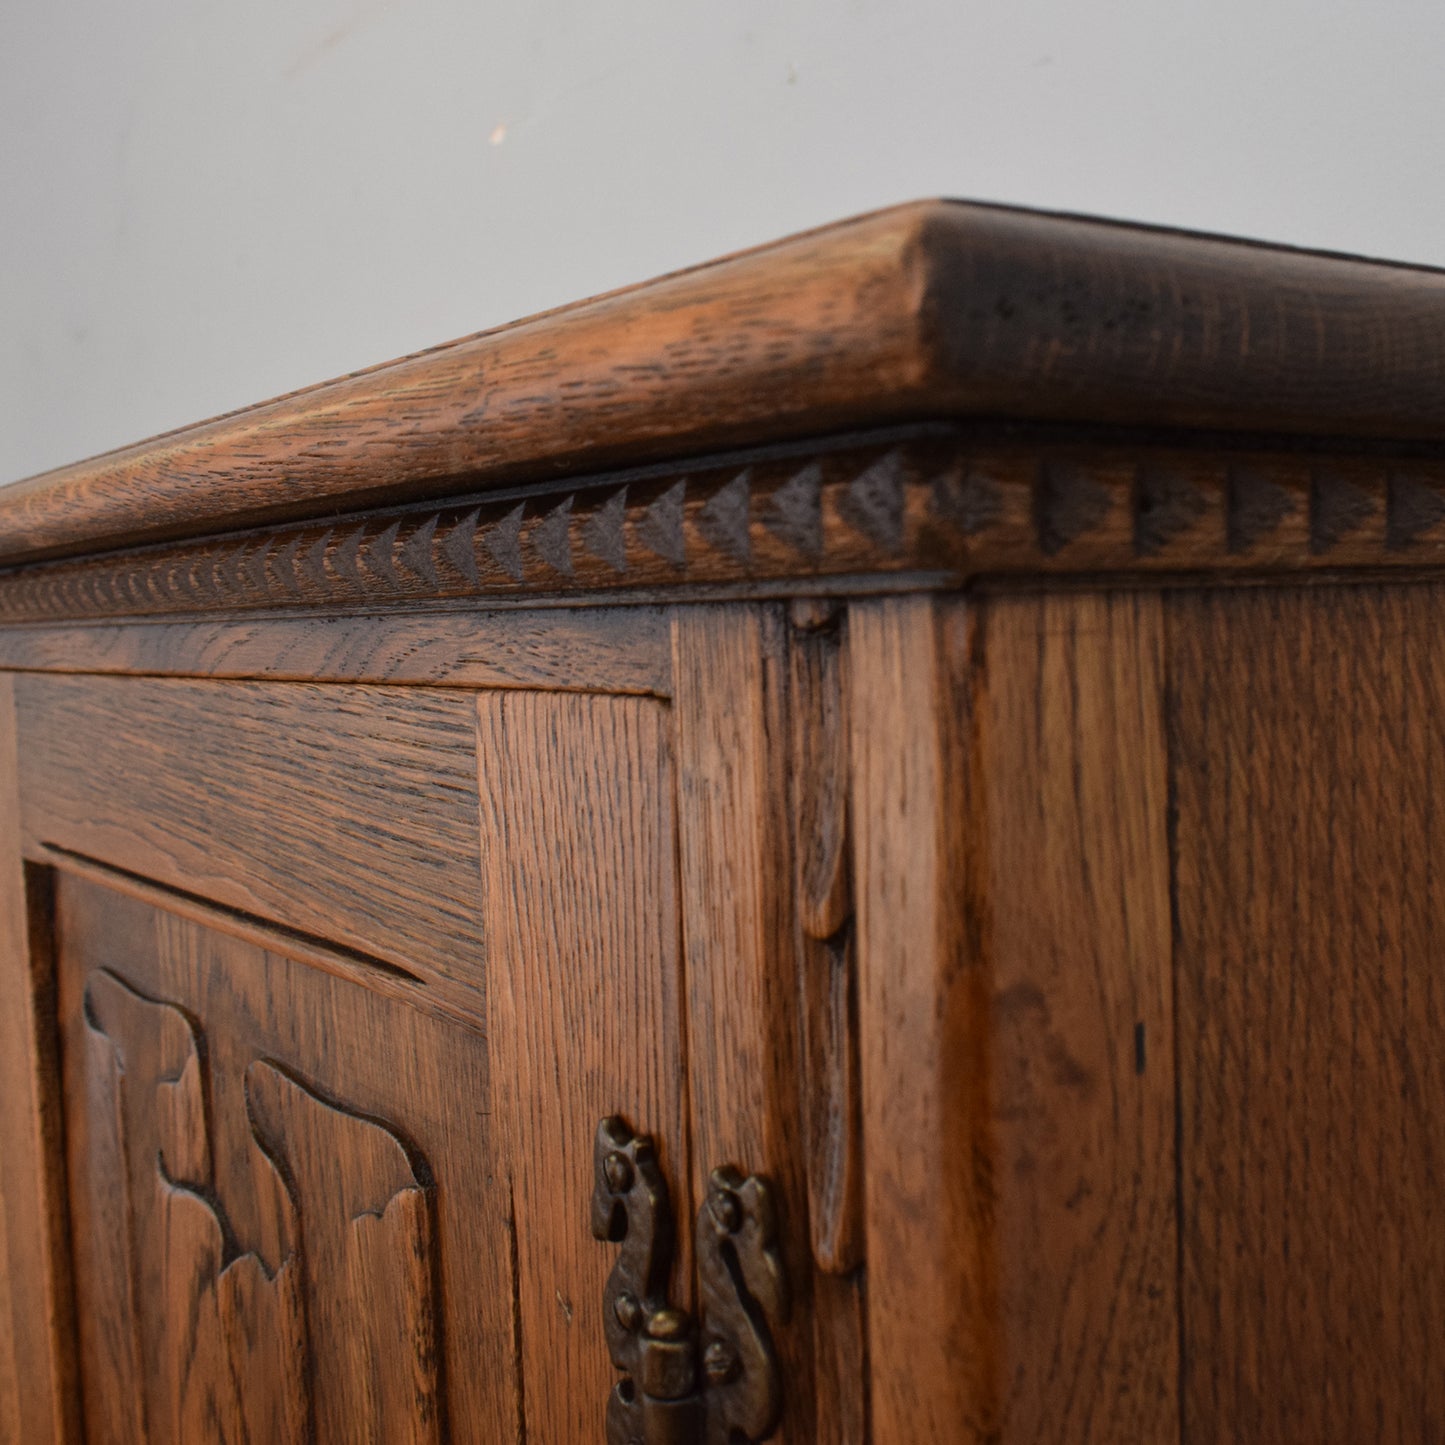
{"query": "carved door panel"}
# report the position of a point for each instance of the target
(288, 1221)
(329, 1184)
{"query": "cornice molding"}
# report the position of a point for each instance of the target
(939, 505)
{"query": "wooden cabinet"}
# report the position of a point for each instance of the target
(934, 725)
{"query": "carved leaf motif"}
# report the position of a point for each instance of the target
(210, 1345)
(110, 1336)
(367, 1237)
(203, 1342)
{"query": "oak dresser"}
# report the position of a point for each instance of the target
(837, 847)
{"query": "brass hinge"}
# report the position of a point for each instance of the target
(711, 1381)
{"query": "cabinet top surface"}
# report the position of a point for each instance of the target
(933, 310)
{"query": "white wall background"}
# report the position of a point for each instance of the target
(206, 202)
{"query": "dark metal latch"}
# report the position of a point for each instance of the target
(709, 1381)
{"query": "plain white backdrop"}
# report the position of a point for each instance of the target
(206, 202)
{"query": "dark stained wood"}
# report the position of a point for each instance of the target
(730, 676)
(828, 1065)
(894, 510)
(1071, 801)
(370, 1248)
(347, 813)
(585, 1002)
(931, 309)
(107, 1326)
(1013, 952)
(923, 1028)
(370, 852)
(840, 1354)
(288, 1215)
(1307, 736)
(370, 973)
(828, 1005)
(36, 1366)
(653, 371)
(10, 1426)
(589, 650)
(213, 1347)
(825, 513)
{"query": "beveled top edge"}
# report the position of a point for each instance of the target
(935, 309)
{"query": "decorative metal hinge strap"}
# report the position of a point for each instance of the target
(685, 1382)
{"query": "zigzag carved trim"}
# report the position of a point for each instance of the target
(947, 505)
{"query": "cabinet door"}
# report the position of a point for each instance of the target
(347, 977)
(287, 1220)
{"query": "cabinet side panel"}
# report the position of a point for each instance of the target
(579, 883)
(35, 1365)
(1016, 1017)
(1308, 739)
(1081, 1069)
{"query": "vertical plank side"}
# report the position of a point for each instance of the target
(1082, 1069)
(729, 696)
(1010, 812)
(922, 1016)
(37, 1401)
(1308, 736)
(580, 904)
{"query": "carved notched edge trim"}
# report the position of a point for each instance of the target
(937, 504)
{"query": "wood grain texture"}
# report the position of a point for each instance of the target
(1013, 938)
(730, 673)
(923, 1027)
(1307, 742)
(346, 812)
(110, 1373)
(340, 1143)
(820, 512)
(36, 1356)
(213, 1342)
(624, 650)
(359, 968)
(579, 876)
(932, 309)
(823, 859)
(1080, 1093)
(828, 1064)
(10, 1380)
(889, 510)
(365, 1210)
